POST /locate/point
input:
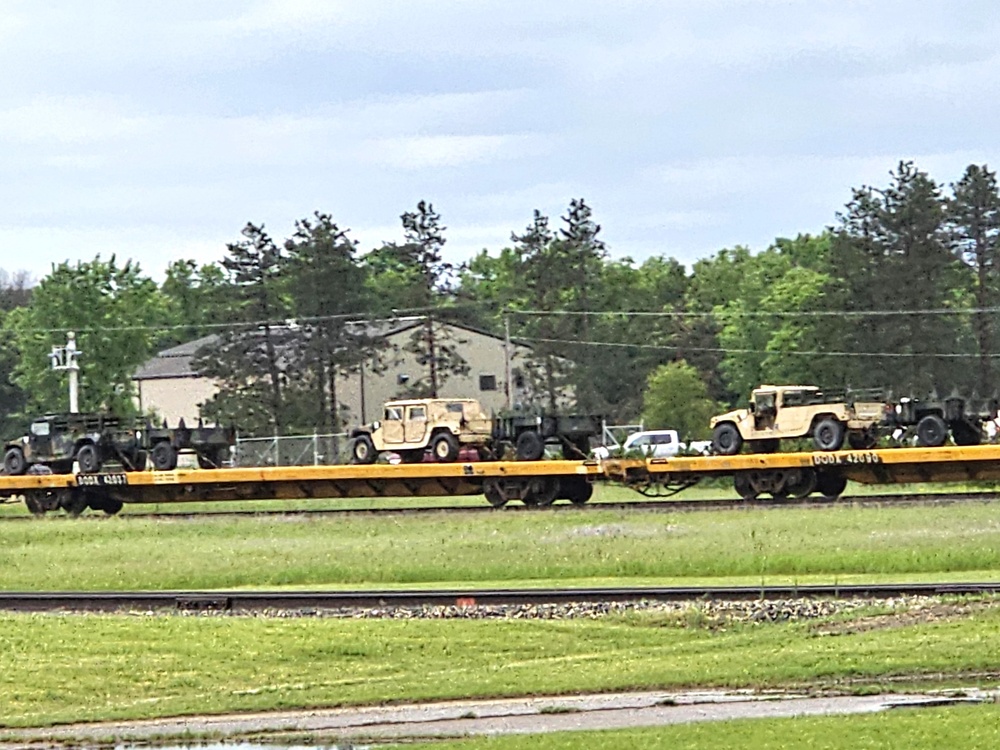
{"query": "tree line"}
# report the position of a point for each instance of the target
(901, 292)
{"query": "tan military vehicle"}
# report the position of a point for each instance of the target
(780, 412)
(409, 427)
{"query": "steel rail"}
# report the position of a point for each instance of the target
(648, 505)
(262, 601)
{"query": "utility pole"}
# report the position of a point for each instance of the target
(65, 358)
(506, 361)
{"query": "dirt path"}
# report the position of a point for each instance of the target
(508, 716)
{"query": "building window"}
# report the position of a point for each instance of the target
(487, 382)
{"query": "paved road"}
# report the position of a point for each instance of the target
(507, 716)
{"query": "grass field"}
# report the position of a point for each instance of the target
(930, 729)
(56, 668)
(831, 545)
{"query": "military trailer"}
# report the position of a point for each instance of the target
(56, 441)
(211, 445)
(784, 412)
(448, 426)
(931, 420)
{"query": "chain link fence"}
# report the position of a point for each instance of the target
(293, 450)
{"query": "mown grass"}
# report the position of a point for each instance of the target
(837, 544)
(59, 668)
(926, 729)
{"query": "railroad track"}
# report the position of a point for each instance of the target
(313, 601)
(645, 505)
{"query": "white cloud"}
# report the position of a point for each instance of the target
(421, 152)
(69, 120)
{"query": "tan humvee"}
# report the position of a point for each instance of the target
(409, 427)
(797, 411)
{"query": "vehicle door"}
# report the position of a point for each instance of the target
(40, 440)
(664, 445)
(392, 425)
(765, 410)
(415, 426)
(795, 413)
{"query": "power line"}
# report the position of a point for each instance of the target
(726, 350)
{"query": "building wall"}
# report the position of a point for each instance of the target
(174, 398)
(484, 355)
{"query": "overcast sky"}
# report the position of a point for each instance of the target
(156, 130)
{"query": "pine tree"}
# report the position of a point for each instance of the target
(974, 221)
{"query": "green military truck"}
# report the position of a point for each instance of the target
(56, 441)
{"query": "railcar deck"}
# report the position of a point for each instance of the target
(533, 482)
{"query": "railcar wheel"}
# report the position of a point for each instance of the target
(14, 462)
(828, 435)
(445, 447)
(363, 450)
(35, 506)
(164, 457)
(831, 486)
(74, 502)
(743, 487)
(800, 483)
(576, 489)
(530, 446)
(931, 431)
(109, 505)
(89, 459)
(494, 493)
(542, 491)
(726, 439)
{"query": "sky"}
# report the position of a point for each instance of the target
(156, 130)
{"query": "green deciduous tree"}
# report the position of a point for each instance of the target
(677, 398)
(117, 314)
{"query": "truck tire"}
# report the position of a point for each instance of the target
(726, 439)
(828, 435)
(530, 446)
(14, 462)
(89, 459)
(163, 456)
(931, 431)
(363, 450)
(445, 447)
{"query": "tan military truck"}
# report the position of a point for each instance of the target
(410, 426)
(779, 412)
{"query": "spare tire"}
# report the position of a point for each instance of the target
(931, 431)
